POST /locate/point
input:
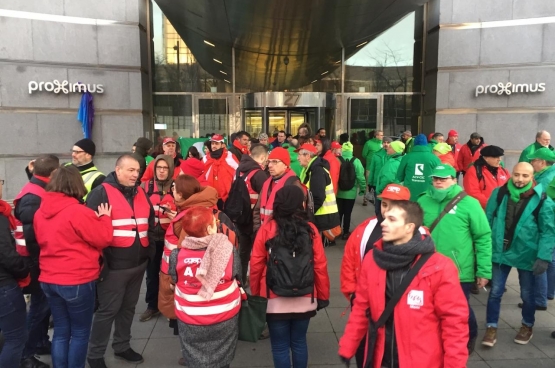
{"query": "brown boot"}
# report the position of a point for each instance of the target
(490, 338)
(524, 335)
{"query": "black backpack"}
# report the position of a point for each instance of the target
(238, 204)
(347, 174)
(290, 270)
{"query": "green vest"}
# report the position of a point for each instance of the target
(89, 176)
(330, 204)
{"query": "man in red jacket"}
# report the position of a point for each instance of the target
(486, 174)
(219, 168)
(470, 152)
(453, 141)
(429, 325)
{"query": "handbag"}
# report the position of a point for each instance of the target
(252, 317)
(374, 326)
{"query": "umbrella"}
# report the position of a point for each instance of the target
(86, 114)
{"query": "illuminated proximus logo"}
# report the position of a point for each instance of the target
(509, 88)
(64, 86)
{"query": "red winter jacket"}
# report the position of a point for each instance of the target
(335, 166)
(71, 238)
(448, 159)
(259, 258)
(433, 334)
(481, 189)
(219, 173)
(466, 158)
(354, 253)
(195, 168)
(455, 152)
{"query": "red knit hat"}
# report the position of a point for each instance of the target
(453, 133)
(281, 154)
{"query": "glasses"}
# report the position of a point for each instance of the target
(77, 152)
(162, 168)
(274, 162)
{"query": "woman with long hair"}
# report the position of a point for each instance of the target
(71, 238)
(207, 296)
(289, 239)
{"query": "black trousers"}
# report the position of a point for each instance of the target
(245, 248)
(345, 209)
(153, 277)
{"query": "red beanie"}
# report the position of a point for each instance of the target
(281, 154)
(453, 133)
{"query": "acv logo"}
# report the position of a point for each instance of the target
(509, 88)
(419, 169)
(65, 87)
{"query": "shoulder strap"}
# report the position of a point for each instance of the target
(150, 190)
(452, 203)
(402, 288)
(500, 194)
(341, 159)
(538, 208)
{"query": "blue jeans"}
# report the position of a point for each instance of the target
(72, 309)
(551, 278)
(545, 285)
(472, 324)
(527, 285)
(38, 310)
(289, 335)
(12, 323)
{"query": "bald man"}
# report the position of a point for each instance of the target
(543, 139)
(522, 220)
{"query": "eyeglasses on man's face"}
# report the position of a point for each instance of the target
(274, 162)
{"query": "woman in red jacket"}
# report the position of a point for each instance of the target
(291, 240)
(71, 238)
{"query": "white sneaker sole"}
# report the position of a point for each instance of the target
(520, 342)
(489, 344)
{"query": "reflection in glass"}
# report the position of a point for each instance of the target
(397, 112)
(277, 121)
(175, 113)
(296, 119)
(213, 116)
(363, 117)
(253, 122)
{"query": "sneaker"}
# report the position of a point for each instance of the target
(32, 362)
(97, 363)
(490, 338)
(148, 315)
(538, 308)
(524, 335)
(130, 356)
(346, 235)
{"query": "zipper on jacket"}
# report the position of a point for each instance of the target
(456, 260)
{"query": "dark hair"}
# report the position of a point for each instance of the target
(343, 138)
(186, 185)
(233, 136)
(67, 180)
(288, 135)
(194, 152)
(45, 164)
(437, 134)
(372, 134)
(255, 141)
(326, 145)
(293, 231)
(124, 157)
(241, 133)
(282, 131)
(413, 213)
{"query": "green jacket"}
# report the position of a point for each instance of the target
(370, 147)
(409, 145)
(532, 239)
(545, 178)
(378, 160)
(415, 170)
(388, 173)
(531, 149)
(295, 165)
(360, 181)
(432, 143)
(463, 234)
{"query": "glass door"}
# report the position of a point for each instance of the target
(211, 115)
(277, 120)
(364, 114)
(296, 119)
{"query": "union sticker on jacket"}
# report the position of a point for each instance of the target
(415, 299)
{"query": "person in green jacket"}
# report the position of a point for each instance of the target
(463, 234)
(417, 166)
(408, 140)
(543, 139)
(523, 236)
(370, 148)
(346, 198)
(378, 160)
(295, 165)
(388, 173)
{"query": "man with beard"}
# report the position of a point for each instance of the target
(486, 174)
(240, 145)
(470, 152)
(219, 168)
(522, 220)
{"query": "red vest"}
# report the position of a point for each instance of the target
(20, 245)
(267, 202)
(156, 198)
(193, 309)
(252, 194)
(170, 243)
(127, 221)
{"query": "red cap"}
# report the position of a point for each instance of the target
(430, 136)
(395, 192)
(335, 145)
(317, 141)
(217, 138)
(453, 133)
(281, 154)
(307, 146)
(168, 140)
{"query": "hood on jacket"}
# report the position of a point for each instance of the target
(207, 197)
(292, 154)
(193, 167)
(53, 203)
(142, 146)
(169, 161)
(247, 164)
(470, 145)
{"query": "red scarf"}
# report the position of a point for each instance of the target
(244, 149)
(6, 210)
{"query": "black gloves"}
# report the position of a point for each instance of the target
(540, 266)
(345, 361)
(322, 304)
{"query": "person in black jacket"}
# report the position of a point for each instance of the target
(13, 267)
(123, 265)
(37, 318)
(255, 162)
(240, 144)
